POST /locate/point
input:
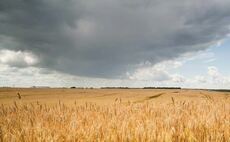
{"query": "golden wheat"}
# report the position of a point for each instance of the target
(177, 121)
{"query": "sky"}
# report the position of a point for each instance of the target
(98, 43)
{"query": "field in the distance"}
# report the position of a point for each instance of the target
(114, 115)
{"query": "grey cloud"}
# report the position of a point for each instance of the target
(106, 38)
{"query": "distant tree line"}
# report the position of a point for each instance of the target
(141, 88)
(73, 87)
(220, 90)
(115, 88)
(162, 88)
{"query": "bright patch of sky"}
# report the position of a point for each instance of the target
(217, 55)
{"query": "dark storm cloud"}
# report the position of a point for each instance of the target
(106, 38)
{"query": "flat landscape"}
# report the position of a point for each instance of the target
(47, 114)
(51, 96)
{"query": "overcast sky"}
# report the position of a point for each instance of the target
(132, 43)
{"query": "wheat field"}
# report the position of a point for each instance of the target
(134, 115)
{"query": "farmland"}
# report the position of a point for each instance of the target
(114, 115)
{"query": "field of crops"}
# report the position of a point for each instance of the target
(114, 115)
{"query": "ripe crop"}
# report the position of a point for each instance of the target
(175, 121)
